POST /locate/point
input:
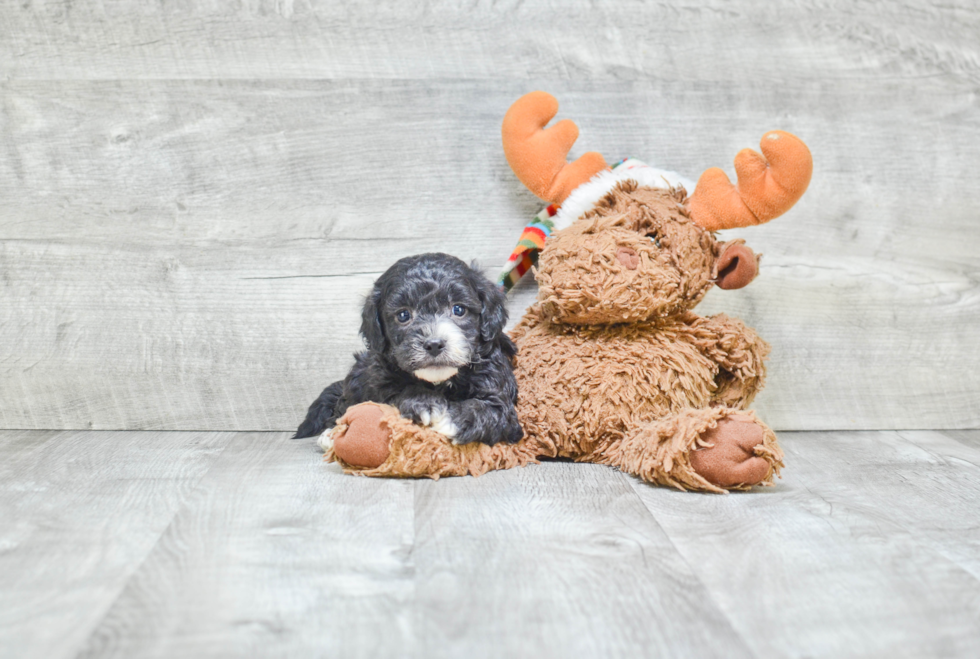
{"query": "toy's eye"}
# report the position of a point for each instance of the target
(403, 316)
(654, 238)
(459, 310)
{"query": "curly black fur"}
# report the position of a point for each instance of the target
(457, 318)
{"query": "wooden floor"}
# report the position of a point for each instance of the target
(176, 544)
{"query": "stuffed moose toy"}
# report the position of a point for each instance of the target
(613, 367)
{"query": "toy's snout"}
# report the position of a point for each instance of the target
(736, 267)
(628, 257)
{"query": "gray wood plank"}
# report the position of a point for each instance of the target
(123, 310)
(199, 544)
(943, 508)
(555, 560)
(81, 511)
(178, 343)
(145, 148)
(607, 39)
(355, 171)
(868, 547)
(968, 437)
(276, 554)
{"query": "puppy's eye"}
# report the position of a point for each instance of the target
(403, 316)
(459, 310)
(654, 238)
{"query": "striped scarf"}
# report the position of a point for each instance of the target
(525, 255)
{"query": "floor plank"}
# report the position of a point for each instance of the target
(274, 554)
(943, 509)
(81, 511)
(555, 560)
(868, 547)
(968, 437)
(156, 544)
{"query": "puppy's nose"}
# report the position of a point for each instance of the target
(434, 346)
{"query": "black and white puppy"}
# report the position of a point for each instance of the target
(436, 350)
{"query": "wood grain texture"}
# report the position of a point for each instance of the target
(80, 512)
(275, 554)
(424, 40)
(968, 437)
(868, 547)
(557, 560)
(164, 544)
(193, 196)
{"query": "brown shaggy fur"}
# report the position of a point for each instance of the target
(582, 282)
(613, 367)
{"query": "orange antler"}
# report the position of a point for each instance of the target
(537, 156)
(768, 185)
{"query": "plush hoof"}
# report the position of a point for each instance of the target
(731, 460)
(366, 441)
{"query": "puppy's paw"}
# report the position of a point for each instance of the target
(429, 413)
(325, 440)
(437, 417)
(442, 423)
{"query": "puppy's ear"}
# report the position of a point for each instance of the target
(493, 314)
(371, 328)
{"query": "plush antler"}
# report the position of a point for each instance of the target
(537, 156)
(768, 185)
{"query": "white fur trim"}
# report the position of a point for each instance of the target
(585, 196)
(436, 374)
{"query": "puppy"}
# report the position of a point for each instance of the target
(436, 350)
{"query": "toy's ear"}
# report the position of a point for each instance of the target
(737, 266)
(493, 311)
(371, 328)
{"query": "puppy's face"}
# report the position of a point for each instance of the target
(432, 315)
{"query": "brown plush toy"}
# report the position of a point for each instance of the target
(613, 366)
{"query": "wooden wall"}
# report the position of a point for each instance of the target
(195, 195)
